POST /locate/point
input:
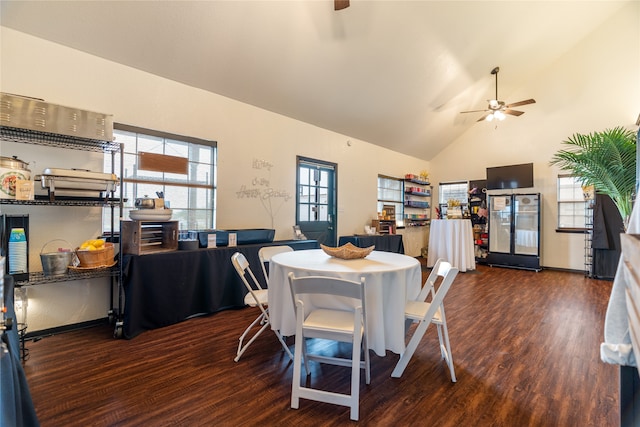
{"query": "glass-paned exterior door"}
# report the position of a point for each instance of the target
(316, 200)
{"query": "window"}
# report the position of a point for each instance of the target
(391, 192)
(316, 183)
(190, 196)
(453, 191)
(571, 203)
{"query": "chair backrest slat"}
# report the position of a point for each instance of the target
(241, 265)
(439, 295)
(266, 252)
(329, 286)
(323, 285)
(440, 269)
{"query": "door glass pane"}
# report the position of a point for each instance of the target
(500, 224)
(304, 176)
(526, 225)
(324, 199)
(304, 212)
(323, 214)
(324, 179)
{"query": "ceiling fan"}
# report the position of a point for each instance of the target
(340, 4)
(497, 109)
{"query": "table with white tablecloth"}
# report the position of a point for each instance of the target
(452, 240)
(390, 280)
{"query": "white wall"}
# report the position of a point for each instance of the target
(63, 76)
(594, 86)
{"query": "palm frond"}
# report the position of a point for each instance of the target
(606, 160)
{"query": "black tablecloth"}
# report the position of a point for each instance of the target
(382, 242)
(15, 398)
(168, 287)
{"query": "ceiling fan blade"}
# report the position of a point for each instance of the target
(519, 103)
(481, 119)
(473, 111)
(513, 112)
(340, 4)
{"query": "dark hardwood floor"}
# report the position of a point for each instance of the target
(525, 347)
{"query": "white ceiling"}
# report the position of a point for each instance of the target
(393, 73)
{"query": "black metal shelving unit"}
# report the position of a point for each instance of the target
(28, 136)
(417, 198)
(477, 204)
(588, 238)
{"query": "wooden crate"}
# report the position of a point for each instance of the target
(145, 237)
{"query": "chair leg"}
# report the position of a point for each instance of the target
(242, 348)
(305, 358)
(284, 344)
(367, 361)
(445, 349)
(411, 348)
(354, 399)
(297, 366)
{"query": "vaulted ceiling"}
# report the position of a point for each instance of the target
(393, 73)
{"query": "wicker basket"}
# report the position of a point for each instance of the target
(99, 258)
(347, 251)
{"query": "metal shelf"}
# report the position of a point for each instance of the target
(63, 201)
(27, 136)
(38, 277)
(416, 204)
(418, 193)
(417, 181)
(588, 238)
(74, 142)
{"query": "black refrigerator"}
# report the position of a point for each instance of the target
(514, 231)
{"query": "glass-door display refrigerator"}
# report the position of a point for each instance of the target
(514, 230)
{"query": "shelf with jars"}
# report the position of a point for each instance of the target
(478, 214)
(417, 199)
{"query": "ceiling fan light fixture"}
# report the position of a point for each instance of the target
(497, 109)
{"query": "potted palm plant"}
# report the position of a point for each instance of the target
(605, 160)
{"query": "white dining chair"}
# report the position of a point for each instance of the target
(331, 319)
(256, 297)
(266, 252)
(425, 313)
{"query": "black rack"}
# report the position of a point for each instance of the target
(28, 136)
(39, 278)
(44, 200)
(478, 201)
(418, 200)
(588, 238)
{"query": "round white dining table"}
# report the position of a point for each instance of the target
(390, 280)
(452, 240)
